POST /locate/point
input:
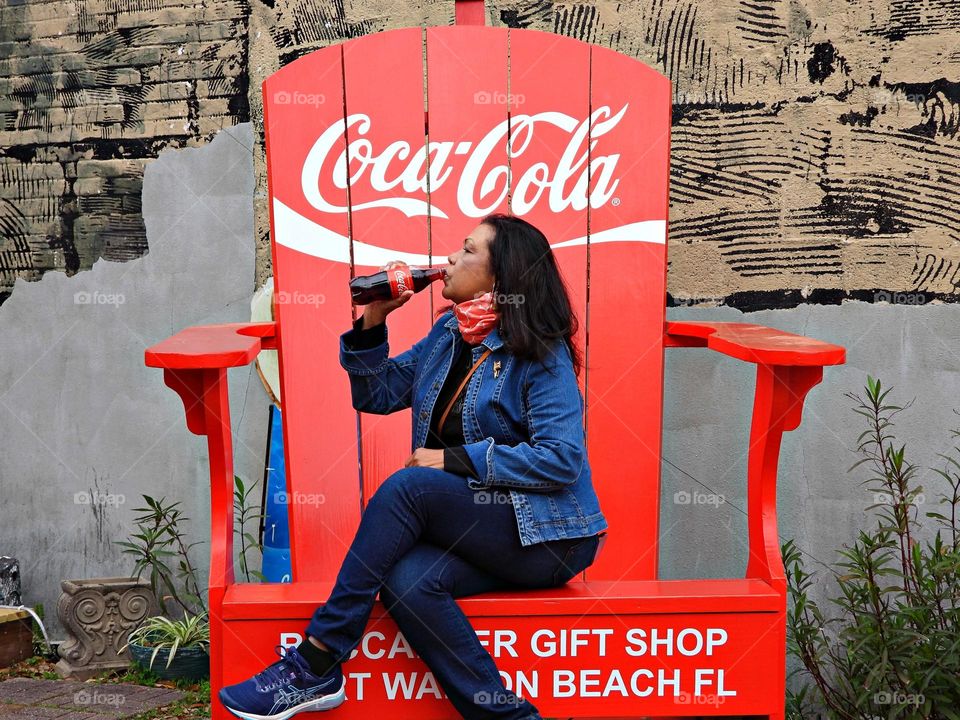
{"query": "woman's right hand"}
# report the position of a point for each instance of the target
(376, 312)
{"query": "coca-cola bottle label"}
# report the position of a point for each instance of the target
(401, 280)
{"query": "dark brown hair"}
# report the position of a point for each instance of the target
(534, 303)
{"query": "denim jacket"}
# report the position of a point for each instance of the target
(523, 429)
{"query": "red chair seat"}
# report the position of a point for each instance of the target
(298, 600)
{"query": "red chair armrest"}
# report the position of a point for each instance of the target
(788, 366)
(213, 346)
(754, 343)
(195, 363)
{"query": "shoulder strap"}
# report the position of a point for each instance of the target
(443, 418)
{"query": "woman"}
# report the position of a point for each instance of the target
(496, 495)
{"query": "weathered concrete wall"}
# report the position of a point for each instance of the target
(707, 409)
(821, 505)
(85, 427)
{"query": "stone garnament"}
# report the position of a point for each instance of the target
(99, 614)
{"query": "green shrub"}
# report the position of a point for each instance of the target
(892, 647)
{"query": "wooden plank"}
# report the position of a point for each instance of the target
(467, 132)
(627, 271)
(755, 343)
(603, 665)
(386, 142)
(597, 597)
(207, 346)
(303, 117)
(549, 133)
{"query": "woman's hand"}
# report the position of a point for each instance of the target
(376, 312)
(425, 457)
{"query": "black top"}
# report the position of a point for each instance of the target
(450, 437)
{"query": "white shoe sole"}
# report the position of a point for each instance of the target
(327, 702)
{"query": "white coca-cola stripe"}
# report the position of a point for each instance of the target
(298, 233)
(303, 235)
(651, 231)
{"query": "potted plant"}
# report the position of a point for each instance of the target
(181, 646)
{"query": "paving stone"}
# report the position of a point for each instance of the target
(33, 699)
(33, 712)
(28, 690)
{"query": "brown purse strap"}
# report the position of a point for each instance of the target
(443, 418)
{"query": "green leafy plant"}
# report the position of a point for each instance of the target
(892, 647)
(40, 646)
(244, 512)
(159, 541)
(161, 633)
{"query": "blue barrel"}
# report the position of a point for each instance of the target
(276, 523)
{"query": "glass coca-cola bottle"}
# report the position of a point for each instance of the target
(390, 284)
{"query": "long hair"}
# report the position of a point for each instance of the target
(529, 292)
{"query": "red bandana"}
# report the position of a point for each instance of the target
(476, 317)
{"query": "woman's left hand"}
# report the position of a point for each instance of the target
(425, 457)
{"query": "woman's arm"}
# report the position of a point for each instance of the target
(378, 384)
(555, 454)
(365, 339)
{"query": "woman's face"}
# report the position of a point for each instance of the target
(468, 271)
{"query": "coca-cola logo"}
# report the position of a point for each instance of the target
(549, 154)
(401, 278)
(396, 175)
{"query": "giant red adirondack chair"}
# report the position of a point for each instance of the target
(575, 138)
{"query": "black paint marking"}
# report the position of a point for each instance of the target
(916, 17)
(577, 21)
(863, 119)
(824, 61)
(938, 102)
(753, 300)
(536, 15)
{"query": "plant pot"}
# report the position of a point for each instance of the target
(191, 663)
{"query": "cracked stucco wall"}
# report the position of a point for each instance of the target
(85, 427)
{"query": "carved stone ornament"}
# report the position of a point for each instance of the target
(98, 615)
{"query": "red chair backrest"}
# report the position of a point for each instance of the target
(345, 197)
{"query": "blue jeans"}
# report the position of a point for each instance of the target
(424, 539)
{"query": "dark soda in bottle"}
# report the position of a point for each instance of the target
(390, 284)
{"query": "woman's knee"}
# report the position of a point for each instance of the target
(412, 576)
(408, 481)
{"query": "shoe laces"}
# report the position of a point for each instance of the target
(290, 665)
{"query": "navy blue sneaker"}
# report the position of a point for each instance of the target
(285, 688)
